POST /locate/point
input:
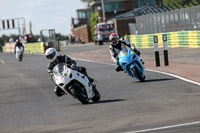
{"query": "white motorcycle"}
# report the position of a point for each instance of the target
(75, 83)
(19, 53)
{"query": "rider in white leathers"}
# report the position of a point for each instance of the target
(51, 54)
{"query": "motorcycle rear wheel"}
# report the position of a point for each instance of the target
(79, 96)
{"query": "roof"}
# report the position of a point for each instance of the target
(105, 23)
(84, 9)
(99, 1)
(141, 11)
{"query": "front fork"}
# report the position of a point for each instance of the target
(139, 66)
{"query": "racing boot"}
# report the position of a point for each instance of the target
(137, 52)
(118, 68)
(90, 79)
(84, 72)
(142, 61)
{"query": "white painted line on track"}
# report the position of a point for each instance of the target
(94, 61)
(176, 76)
(173, 75)
(2, 61)
(166, 127)
(165, 73)
(169, 74)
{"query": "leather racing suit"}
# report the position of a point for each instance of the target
(72, 64)
(116, 47)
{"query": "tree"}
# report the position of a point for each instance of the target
(61, 37)
(30, 27)
(93, 22)
(87, 1)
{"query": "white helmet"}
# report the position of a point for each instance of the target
(51, 54)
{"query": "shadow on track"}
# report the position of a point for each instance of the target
(157, 80)
(107, 101)
(101, 101)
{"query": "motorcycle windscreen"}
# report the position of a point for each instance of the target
(125, 55)
(59, 68)
(19, 49)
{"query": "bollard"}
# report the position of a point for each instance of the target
(165, 50)
(157, 58)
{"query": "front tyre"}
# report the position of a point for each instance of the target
(97, 96)
(81, 96)
(100, 42)
(20, 57)
(139, 74)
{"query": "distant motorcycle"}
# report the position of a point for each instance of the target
(19, 53)
(75, 83)
(131, 64)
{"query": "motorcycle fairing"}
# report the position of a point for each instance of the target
(65, 75)
(128, 59)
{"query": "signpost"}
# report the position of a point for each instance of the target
(157, 58)
(165, 50)
(14, 23)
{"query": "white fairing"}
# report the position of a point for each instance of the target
(64, 75)
(19, 50)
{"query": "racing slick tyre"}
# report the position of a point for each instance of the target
(139, 74)
(20, 57)
(97, 96)
(81, 96)
(100, 42)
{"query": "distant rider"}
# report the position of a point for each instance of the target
(116, 46)
(54, 58)
(18, 44)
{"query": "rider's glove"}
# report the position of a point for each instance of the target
(49, 71)
(73, 67)
(138, 53)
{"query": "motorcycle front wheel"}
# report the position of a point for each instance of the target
(97, 96)
(139, 74)
(20, 57)
(81, 96)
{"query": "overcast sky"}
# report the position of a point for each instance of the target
(44, 14)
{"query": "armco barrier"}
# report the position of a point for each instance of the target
(4, 49)
(34, 47)
(29, 47)
(9, 47)
(188, 39)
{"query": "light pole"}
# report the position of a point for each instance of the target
(103, 11)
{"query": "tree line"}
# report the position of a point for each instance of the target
(34, 38)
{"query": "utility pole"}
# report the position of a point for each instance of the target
(103, 11)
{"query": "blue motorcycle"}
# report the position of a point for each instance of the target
(131, 64)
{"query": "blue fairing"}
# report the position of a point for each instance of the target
(128, 59)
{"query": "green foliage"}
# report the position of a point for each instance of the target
(87, 1)
(5, 38)
(61, 37)
(93, 22)
(34, 38)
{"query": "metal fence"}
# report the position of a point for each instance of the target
(178, 20)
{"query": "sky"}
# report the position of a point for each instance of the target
(43, 14)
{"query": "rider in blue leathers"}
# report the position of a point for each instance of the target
(116, 46)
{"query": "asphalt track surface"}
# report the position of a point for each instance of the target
(162, 104)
